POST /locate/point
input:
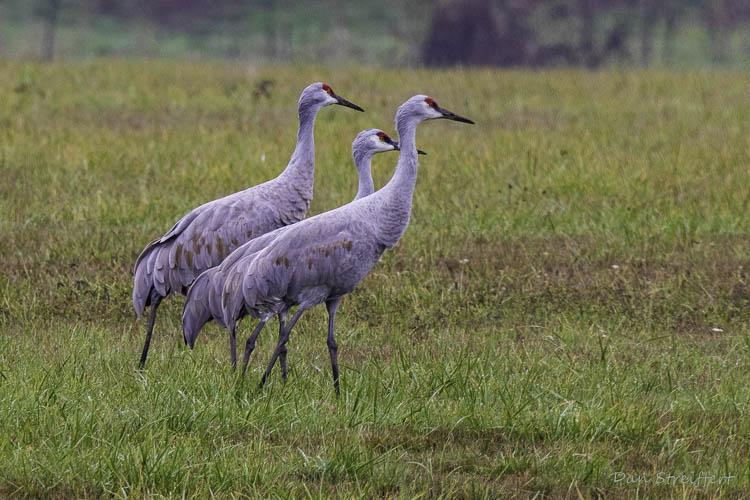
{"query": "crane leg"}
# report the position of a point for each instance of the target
(282, 354)
(156, 299)
(333, 347)
(283, 338)
(233, 344)
(250, 346)
(282, 360)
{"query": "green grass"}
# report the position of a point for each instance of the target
(570, 300)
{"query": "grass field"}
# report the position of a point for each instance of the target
(568, 306)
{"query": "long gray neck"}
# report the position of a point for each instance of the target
(300, 172)
(363, 159)
(395, 209)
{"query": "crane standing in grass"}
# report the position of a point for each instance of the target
(207, 234)
(203, 301)
(323, 258)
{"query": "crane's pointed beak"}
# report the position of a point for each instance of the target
(343, 102)
(393, 143)
(396, 147)
(450, 115)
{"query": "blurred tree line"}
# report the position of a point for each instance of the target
(579, 32)
(536, 33)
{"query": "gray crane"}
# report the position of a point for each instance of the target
(203, 301)
(207, 234)
(323, 258)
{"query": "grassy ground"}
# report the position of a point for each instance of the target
(568, 306)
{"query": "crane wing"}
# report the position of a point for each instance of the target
(201, 240)
(303, 263)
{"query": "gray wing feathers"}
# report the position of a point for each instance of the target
(214, 296)
(179, 226)
(203, 238)
(237, 289)
(196, 311)
(232, 298)
(302, 264)
(142, 284)
(203, 301)
(201, 304)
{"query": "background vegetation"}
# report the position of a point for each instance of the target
(590, 33)
(569, 301)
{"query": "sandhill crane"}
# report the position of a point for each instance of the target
(206, 235)
(323, 258)
(203, 301)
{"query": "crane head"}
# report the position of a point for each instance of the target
(436, 112)
(385, 138)
(374, 141)
(317, 95)
(383, 142)
(332, 98)
(420, 107)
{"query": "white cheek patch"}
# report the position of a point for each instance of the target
(433, 113)
(330, 100)
(380, 145)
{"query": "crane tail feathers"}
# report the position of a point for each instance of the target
(232, 300)
(197, 311)
(142, 285)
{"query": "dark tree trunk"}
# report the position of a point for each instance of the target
(586, 47)
(269, 12)
(717, 30)
(463, 32)
(649, 18)
(50, 29)
(670, 29)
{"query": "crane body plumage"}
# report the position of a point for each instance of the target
(205, 236)
(203, 301)
(323, 258)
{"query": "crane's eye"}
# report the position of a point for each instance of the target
(328, 89)
(430, 102)
(383, 136)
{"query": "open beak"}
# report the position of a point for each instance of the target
(450, 115)
(340, 100)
